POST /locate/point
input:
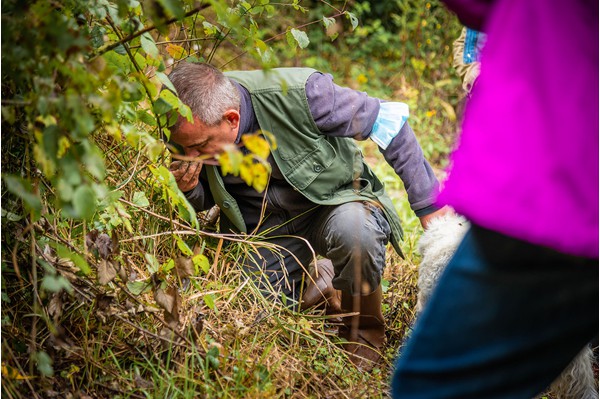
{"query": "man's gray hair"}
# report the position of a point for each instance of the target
(205, 90)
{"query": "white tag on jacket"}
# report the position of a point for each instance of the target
(390, 120)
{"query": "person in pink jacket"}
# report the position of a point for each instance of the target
(519, 299)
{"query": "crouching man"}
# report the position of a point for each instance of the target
(320, 193)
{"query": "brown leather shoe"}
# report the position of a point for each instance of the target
(319, 291)
(365, 331)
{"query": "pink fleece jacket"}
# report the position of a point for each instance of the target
(526, 164)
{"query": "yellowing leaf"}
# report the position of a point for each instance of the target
(246, 171)
(12, 373)
(230, 160)
(201, 263)
(63, 145)
(262, 46)
(175, 51)
(449, 109)
(261, 177)
(257, 145)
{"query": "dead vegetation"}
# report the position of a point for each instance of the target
(164, 311)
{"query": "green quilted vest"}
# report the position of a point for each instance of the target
(326, 170)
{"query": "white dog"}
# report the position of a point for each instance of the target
(437, 246)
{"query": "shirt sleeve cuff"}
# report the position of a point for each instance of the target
(426, 211)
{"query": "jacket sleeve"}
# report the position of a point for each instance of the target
(340, 111)
(404, 154)
(343, 112)
(468, 72)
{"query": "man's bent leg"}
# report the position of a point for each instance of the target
(506, 318)
(354, 236)
(278, 269)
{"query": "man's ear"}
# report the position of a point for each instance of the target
(232, 116)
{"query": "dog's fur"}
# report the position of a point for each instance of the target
(437, 246)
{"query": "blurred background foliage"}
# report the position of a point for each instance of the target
(111, 285)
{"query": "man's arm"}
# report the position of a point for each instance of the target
(343, 112)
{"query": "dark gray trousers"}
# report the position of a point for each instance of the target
(352, 235)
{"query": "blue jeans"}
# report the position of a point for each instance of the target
(506, 318)
(353, 236)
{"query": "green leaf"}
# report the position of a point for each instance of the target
(11, 217)
(201, 263)
(352, 18)
(133, 92)
(139, 287)
(170, 264)
(94, 163)
(111, 198)
(186, 112)
(84, 202)
(22, 189)
(153, 264)
(56, 283)
(327, 22)
(139, 199)
(117, 62)
(183, 247)
(301, 37)
(44, 364)
(146, 118)
(161, 106)
(173, 8)
(168, 101)
(209, 299)
(78, 260)
(149, 46)
(164, 79)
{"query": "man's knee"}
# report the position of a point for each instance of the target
(359, 226)
(357, 237)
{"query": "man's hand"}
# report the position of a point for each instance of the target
(440, 212)
(186, 174)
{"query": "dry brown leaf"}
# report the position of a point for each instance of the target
(171, 315)
(103, 301)
(114, 241)
(197, 326)
(184, 267)
(106, 272)
(165, 300)
(122, 272)
(104, 245)
(212, 215)
(90, 239)
(55, 307)
(142, 383)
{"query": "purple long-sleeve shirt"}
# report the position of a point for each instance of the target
(527, 162)
(338, 112)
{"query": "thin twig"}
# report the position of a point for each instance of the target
(109, 47)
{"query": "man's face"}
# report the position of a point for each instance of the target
(198, 139)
